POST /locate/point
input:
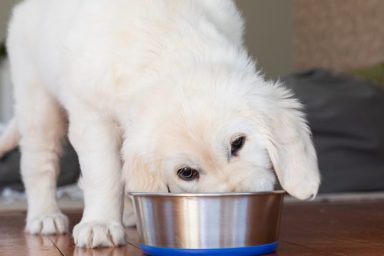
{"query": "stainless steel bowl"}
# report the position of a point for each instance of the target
(208, 221)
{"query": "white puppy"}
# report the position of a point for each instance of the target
(159, 92)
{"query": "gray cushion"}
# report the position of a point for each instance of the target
(10, 168)
(346, 117)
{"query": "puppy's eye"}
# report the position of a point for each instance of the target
(237, 144)
(188, 174)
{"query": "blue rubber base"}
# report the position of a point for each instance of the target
(243, 251)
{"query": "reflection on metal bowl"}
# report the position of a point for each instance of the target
(208, 224)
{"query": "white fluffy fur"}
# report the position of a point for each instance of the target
(162, 83)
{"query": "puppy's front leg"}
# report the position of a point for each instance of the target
(97, 144)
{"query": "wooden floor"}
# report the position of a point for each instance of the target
(342, 228)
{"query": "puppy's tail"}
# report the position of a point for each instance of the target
(9, 138)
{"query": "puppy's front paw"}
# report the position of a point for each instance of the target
(49, 224)
(99, 234)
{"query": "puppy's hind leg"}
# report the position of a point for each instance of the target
(39, 121)
(41, 124)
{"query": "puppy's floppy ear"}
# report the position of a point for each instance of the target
(140, 176)
(289, 144)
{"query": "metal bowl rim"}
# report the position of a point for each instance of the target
(214, 194)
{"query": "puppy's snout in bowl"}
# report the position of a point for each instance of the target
(209, 223)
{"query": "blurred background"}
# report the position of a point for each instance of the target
(330, 53)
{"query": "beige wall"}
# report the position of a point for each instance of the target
(339, 35)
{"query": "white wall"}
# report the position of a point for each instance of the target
(5, 11)
(6, 94)
(6, 98)
(269, 34)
